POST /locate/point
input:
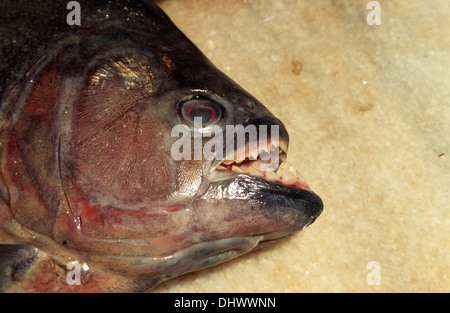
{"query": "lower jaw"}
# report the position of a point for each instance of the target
(264, 243)
(207, 254)
(229, 249)
(190, 259)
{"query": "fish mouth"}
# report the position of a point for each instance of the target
(283, 199)
(257, 164)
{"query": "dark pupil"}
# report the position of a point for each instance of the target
(206, 114)
(208, 111)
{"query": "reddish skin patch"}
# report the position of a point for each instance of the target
(48, 276)
(299, 185)
(31, 140)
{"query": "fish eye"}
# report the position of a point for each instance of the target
(207, 110)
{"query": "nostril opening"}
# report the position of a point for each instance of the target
(245, 103)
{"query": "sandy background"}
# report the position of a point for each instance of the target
(368, 112)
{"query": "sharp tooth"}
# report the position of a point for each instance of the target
(287, 178)
(220, 167)
(302, 180)
(281, 169)
(271, 147)
(262, 152)
(257, 164)
(254, 172)
(237, 169)
(241, 154)
(283, 146)
(265, 156)
(274, 145)
(293, 171)
(228, 162)
(264, 147)
(271, 176)
(253, 154)
(244, 167)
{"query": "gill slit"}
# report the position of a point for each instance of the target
(61, 180)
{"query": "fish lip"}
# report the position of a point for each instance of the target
(305, 198)
(263, 208)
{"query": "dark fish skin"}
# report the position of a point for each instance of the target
(86, 172)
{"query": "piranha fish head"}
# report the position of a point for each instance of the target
(134, 154)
